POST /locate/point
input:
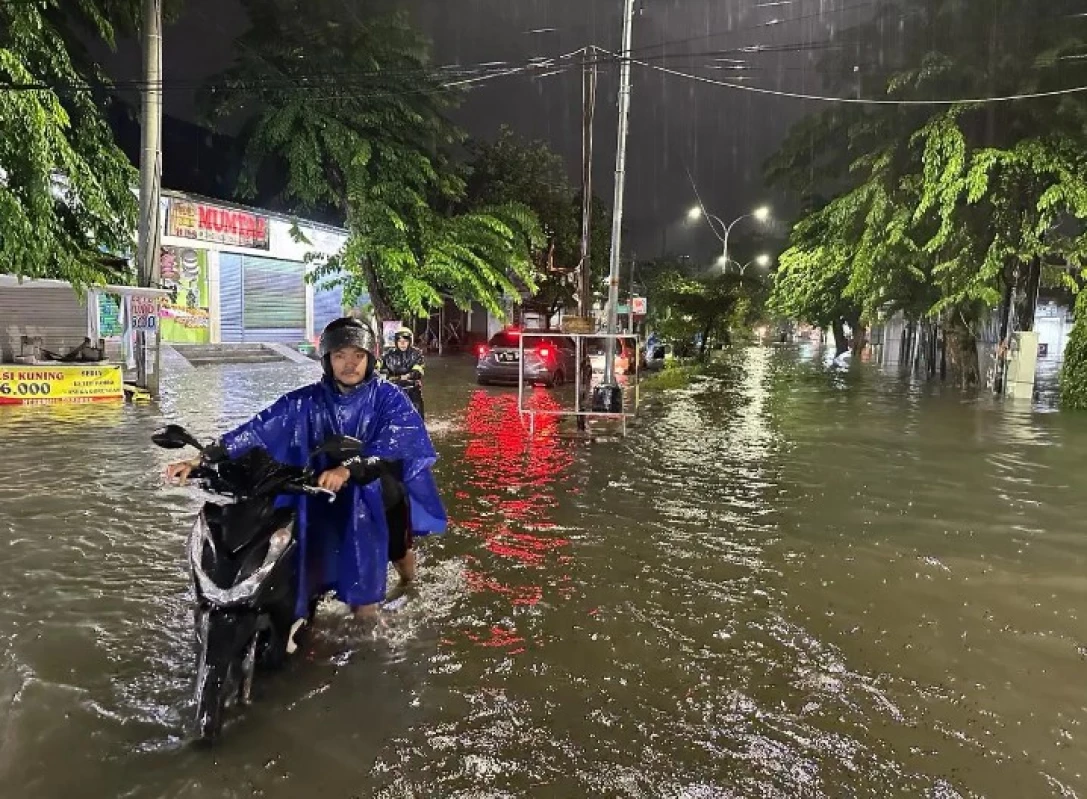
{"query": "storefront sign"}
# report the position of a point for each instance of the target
(145, 312)
(640, 306)
(199, 222)
(184, 317)
(109, 316)
(46, 385)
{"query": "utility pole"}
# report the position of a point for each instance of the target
(149, 234)
(588, 113)
(585, 272)
(610, 389)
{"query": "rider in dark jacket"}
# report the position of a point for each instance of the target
(403, 366)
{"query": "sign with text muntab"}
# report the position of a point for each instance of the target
(199, 222)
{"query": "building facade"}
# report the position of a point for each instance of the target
(238, 275)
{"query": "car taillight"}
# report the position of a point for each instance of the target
(483, 350)
(545, 352)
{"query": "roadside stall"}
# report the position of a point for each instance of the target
(58, 345)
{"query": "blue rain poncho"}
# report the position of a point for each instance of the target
(344, 545)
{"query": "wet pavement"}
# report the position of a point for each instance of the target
(792, 580)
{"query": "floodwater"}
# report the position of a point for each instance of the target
(791, 580)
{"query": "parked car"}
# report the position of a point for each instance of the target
(549, 360)
(624, 355)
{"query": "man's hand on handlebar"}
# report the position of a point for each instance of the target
(179, 472)
(334, 479)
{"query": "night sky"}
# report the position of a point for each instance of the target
(721, 134)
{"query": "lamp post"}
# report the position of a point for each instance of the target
(761, 261)
(761, 214)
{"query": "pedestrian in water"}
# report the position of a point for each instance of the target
(386, 495)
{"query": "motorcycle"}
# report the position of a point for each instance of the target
(411, 385)
(244, 568)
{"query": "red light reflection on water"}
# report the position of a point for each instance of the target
(499, 638)
(512, 483)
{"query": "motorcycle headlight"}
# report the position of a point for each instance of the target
(241, 592)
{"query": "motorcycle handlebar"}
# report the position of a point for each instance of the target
(213, 481)
(316, 491)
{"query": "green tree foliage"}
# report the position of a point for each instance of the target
(706, 307)
(812, 280)
(350, 112)
(65, 187)
(1074, 371)
(510, 170)
(937, 210)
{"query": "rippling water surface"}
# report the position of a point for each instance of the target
(792, 580)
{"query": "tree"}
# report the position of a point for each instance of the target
(349, 113)
(942, 212)
(1074, 370)
(704, 307)
(813, 277)
(512, 170)
(65, 187)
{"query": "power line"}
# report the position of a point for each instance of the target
(855, 100)
(308, 82)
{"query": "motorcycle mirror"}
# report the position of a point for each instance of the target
(175, 436)
(339, 448)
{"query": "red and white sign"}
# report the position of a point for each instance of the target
(145, 313)
(639, 306)
(199, 222)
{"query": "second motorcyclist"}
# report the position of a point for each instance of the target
(403, 365)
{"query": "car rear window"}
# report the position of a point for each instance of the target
(505, 339)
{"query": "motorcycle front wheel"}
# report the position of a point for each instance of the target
(215, 685)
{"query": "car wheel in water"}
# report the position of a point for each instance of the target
(557, 381)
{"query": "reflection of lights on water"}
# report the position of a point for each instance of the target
(512, 477)
(499, 638)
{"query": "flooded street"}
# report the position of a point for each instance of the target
(791, 580)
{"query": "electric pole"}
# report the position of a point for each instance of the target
(617, 206)
(588, 113)
(150, 231)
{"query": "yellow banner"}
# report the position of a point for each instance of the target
(46, 385)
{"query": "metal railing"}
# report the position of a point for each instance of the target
(581, 365)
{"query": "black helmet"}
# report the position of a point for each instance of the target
(345, 332)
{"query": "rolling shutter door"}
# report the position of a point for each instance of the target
(273, 300)
(327, 305)
(58, 315)
(231, 329)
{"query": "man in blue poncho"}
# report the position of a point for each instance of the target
(386, 496)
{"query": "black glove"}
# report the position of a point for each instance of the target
(213, 454)
(364, 470)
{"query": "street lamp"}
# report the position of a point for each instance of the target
(760, 214)
(762, 261)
